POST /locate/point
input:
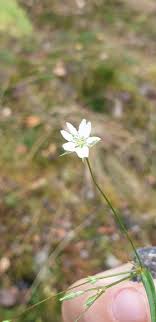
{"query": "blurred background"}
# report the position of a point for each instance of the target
(64, 61)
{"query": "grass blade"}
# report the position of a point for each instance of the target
(149, 286)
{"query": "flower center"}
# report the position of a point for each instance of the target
(81, 142)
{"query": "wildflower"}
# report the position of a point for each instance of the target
(79, 141)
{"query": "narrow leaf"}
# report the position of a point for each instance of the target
(148, 283)
(91, 300)
(71, 295)
(92, 279)
(64, 153)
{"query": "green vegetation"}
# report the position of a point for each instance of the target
(13, 18)
(96, 62)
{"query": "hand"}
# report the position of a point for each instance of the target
(124, 302)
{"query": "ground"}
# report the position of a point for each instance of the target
(78, 59)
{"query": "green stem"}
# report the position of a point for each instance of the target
(103, 289)
(133, 272)
(115, 213)
(127, 278)
(31, 307)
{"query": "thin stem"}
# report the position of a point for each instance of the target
(31, 307)
(60, 293)
(115, 213)
(119, 281)
(103, 289)
(104, 277)
(108, 286)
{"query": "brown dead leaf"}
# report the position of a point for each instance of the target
(32, 121)
(106, 230)
(50, 151)
(151, 180)
(21, 149)
(59, 233)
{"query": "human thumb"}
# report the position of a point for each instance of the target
(124, 302)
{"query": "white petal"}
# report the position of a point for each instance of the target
(70, 146)
(92, 140)
(88, 129)
(72, 129)
(82, 127)
(67, 136)
(82, 152)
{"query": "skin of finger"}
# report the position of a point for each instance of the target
(100, 309)
(71, 309)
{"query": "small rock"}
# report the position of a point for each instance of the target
(148, 257)
(60, 70)
(115, 237)
(4, 264)
(41, 257)
(103, 55)
(125, 96)
(9, 297)
(148, 91)
(112, 261)
(6, 112)
(84, 254)
(80, 3)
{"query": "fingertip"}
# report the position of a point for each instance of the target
(72, 309)
(125, 302)
(64, 312)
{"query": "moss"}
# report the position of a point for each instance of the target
(23, 268)
(95, 85)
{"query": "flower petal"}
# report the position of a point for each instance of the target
(82, 152)
(82, 128)
(72, 129)
(70, 146)
(88, 129)
(92, 140)
(67, 136)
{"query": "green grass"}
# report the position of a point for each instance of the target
(108, 55)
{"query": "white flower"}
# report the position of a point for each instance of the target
(79, 141)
